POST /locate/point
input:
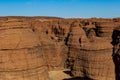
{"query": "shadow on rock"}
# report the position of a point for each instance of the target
(78, 78)
(75, 78)
(116, 51)
(68, 72)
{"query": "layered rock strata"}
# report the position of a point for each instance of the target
(21, 55)
(95, 62)
(105, 29)
(25, 41)
(76, 39)
(52, 36)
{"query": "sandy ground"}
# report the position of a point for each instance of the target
(64, 75)
(59, 75)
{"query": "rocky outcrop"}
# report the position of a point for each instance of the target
(86, 53)
(105, 29)
(31, 46)
(76, 39)
(95, 62)
(52, 36)
(21, 55)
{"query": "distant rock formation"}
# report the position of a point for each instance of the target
(52, 36)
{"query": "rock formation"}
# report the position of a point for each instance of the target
(76, 39)
(95, 62)
(105, 29)
(21, 55)
(52, 36)
(32, 46)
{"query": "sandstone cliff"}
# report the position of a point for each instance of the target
(21, 54)
(32, 46)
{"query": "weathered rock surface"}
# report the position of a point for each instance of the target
(21, 55)
(95, 62)
(76, 39)
(29, 46)
(52, 36)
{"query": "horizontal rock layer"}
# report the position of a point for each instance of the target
(29, 45)
(96, 65)
(21, 55)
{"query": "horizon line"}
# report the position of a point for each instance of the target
(60, 17)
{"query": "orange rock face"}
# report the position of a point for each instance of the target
(21, 55)
(52, 36)
(32, 46)
(95, 61)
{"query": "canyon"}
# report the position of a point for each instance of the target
(32, 48)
